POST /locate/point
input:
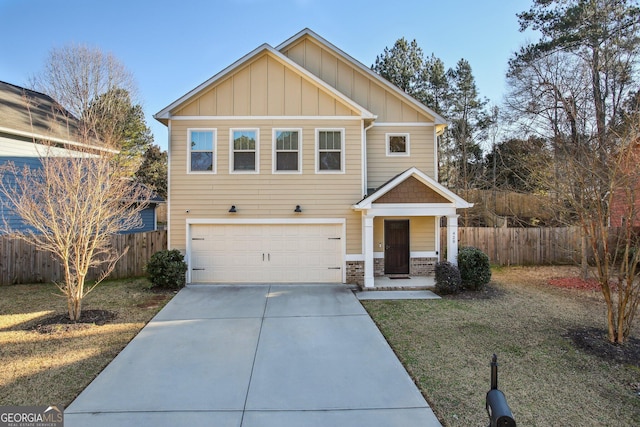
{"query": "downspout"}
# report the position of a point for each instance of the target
(364, 157)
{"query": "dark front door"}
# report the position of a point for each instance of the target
(396, 249)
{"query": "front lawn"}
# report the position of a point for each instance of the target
(550, 368)
(45, 362)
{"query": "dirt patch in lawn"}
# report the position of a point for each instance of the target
(62, 323)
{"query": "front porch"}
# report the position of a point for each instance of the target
(384, 283)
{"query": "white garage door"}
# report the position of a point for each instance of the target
(256, 253)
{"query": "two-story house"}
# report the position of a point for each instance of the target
(299, 164)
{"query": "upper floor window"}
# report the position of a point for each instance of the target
(286, 149)
(397, 144)
(244, 150)
(202, 151)
(330, 151)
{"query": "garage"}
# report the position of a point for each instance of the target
(266, 253)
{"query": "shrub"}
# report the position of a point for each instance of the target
(447, 278)
(167, 269)
(474, 266)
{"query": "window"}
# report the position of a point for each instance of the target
(202, 155)
(244, 148)
(287, 151)
(397, 144)
(330, 154)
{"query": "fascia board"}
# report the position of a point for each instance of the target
(438, 119)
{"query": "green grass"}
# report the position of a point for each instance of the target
(446, 345)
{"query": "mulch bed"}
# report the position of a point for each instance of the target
(594, 341)
(62, 323)
(488, 292)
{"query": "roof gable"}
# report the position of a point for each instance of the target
(264, 83)
(355, 79)
(405, 188)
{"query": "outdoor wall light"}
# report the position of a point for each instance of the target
(298, 209)
(233, 209)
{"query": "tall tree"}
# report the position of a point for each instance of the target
(403, 65)
(77, 75)
(569, 86)
(121, 124)
(153, 170)
(469, 123)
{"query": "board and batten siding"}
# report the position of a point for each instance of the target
(266, 87)
(351, 81)
(266, 194)
(422, 231)
(381, 167)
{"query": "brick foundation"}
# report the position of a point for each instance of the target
(422, 266)
(417, 267)
(355, 272)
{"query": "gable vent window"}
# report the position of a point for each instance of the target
(397, 144)
(330, 152)
(244, 148)
(287, 150)
(202, 152)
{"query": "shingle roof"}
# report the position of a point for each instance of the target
(26, 111)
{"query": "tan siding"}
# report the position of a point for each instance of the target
(242, 92)
(381, 168)
(276, 88)
(191, 109)
(421, 230)
(259, 87)
(345, 79)
(309, 99)
(313, 58)
(296, 52)
(329, 68)
(208, 103)
(264, 87)
(394, 108)
(225, 98)
(365, 90)
(265, 195)
(326, 105)
(292, 93)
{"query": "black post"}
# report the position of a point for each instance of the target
(494, 372)
(496, 404)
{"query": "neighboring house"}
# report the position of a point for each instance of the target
(300, 164)
(28, 119)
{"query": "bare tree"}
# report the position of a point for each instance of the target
(72, 205)
(78, 77)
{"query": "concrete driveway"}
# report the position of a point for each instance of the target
(255, 355)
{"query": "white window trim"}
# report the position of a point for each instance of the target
(232, 152)
(214, 148)
(275, 151)
(387, 137)
(342, 150)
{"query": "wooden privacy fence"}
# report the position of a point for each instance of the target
(21, 262)
(522, 246)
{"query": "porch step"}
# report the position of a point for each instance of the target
(395, 295)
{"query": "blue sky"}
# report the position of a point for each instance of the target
(173, 46)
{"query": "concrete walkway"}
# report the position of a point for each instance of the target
(260, 355)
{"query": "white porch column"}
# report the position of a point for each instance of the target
(452, 239)
(368, 250)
